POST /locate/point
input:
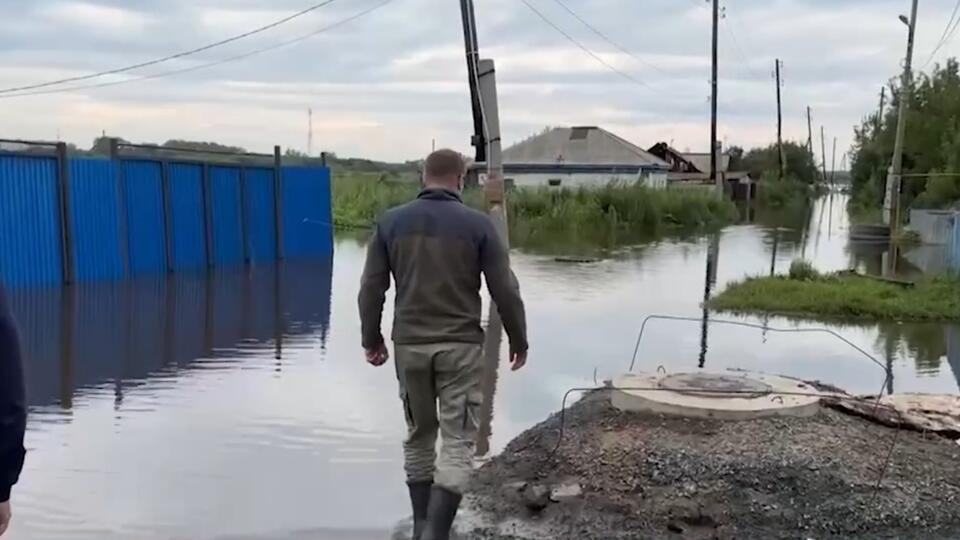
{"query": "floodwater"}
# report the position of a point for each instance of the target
(238, 405)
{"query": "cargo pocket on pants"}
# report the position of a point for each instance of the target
(471, 413)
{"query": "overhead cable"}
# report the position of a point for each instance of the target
(199, 67)
(175, 56)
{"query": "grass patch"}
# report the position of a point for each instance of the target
(572, 220)
(809, 294)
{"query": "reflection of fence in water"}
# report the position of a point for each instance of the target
(128, 332)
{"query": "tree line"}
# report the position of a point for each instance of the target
(931, 147)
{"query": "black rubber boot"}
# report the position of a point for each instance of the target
(420, 501)
(442, 511)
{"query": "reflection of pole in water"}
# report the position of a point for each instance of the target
(889, 351)
(68, 319)
(713, 260)
(278, 326)
(488, 381)
(830, 218)
(776, 245)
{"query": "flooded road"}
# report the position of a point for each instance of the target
(239, 406)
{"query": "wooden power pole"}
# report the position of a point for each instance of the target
(896, 166)
(823, 154)
(783, 165)
(883, 100)
(713, 101)
(486, 139)
(810, 136)
(833, 163)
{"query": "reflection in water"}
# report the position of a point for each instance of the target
(710, 281)
(236, 405)
(125, 333)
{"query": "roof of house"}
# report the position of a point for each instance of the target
(582, 145)
(702, 161)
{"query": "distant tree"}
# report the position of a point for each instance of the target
(736, 157)
(932, 142)
(765, 162)
(200, 145)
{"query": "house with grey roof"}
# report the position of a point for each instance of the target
(581, 156)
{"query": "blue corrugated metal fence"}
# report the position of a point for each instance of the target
(30, 247)
(141, 216)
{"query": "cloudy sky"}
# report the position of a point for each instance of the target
(388, 83)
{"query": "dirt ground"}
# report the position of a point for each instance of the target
(645, 476)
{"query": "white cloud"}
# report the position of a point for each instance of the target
(88, 16)
(384, 85)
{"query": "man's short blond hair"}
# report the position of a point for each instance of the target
(444, 163)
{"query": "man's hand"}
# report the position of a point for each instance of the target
(5, 515)
(378, 356)
(518, 360)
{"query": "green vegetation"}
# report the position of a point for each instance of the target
(765, 163)
(807, 293)
(574, 219)
(932, 145)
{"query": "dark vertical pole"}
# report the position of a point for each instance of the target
(473, 58)
(207, 214)
(66, 215)
(823, 153)
(244, 230)
(323, 159)
(883, 100)
(810, 136)
(833, 163)
(278, 202)
(783, 165)
(167, 214)
(713, 99)
(123, 218)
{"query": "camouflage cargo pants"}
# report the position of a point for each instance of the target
(440, 389)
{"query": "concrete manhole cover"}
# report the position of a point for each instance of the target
(700, 394)
(712, 385)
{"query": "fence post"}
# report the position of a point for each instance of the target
(244, 230)
(124, 236)
(167, 217)
(323, 159)
(207, 214)
(277, 203)
(66, 221)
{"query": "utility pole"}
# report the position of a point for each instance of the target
(823, 154)
(883, 99)
(810, 136)
(896, 167)
(473, 59)
(309, 132)
(833, 163)
(783, 165)
(486, 139)
(713, 102)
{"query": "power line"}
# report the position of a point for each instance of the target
(586, 49)
(604, 37)
(208, 64)
(947, 33)
(170, 57)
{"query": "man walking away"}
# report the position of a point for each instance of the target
(13, 417)
(436, 248)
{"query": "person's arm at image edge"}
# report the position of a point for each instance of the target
(373, 288)
(13, 416)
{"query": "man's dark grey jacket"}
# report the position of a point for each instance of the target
(13, 412)
(436, 248)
